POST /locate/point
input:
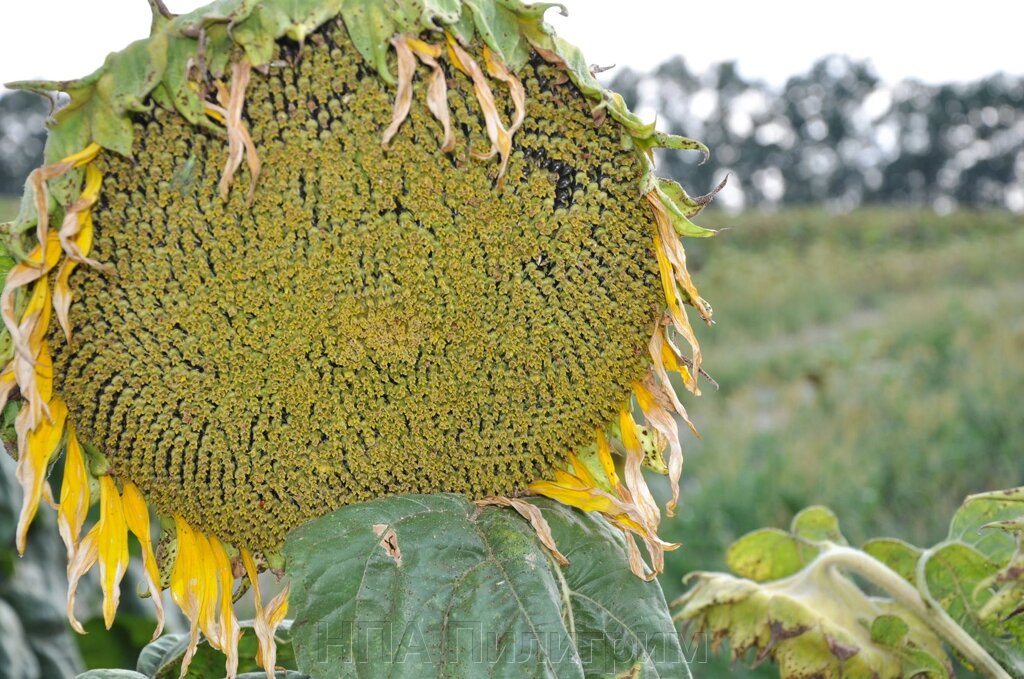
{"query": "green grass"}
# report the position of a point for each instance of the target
(870, 362)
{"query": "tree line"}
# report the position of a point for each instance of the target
(839, 135)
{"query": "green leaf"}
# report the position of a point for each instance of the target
(370, 26)
(161, 654)
(426, 586)
(499, 28)
(889, 630)
(111, 674)
(971, 523)
(955, 575)
(769, 554)
(817, 524)
(898, 555)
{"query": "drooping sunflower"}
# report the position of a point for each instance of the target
(287, 255)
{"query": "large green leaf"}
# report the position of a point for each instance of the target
(431, 586)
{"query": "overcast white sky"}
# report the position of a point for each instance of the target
(936, 41)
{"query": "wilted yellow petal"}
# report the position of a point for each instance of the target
(403, 97)
(85, 557)
(267, 619)
(230, 631)
(186, 584)
(437, 89)
(634, 478)
(136, 515)
(77, 230)
(74, 494)
(657, 414)
(112, 542)
(498, 70)
(532, 514)
(266, 626)
(39, 262)
(604, 455)
(36, 447)
(7, 383)
(501, 140)
(593, 500)
(240, 145)
(663, 359)
(37, 180)
(35, 320)
(676, 312)
(62, 296)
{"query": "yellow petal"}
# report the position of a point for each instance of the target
(7, 384)
(93, 181)
(136, 515)
(421, 48)
(35, 320)
(230, 631)
(86, 155)
(604, 455)
(74, 494)
(36, 447)
(591, 500)
(208, 599)
(112, 541)
(634, 478)
(581, 471)
(62, 296)
(185, 585)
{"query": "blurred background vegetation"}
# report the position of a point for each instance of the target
(868, 285)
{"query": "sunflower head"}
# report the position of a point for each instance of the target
(286, 256)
